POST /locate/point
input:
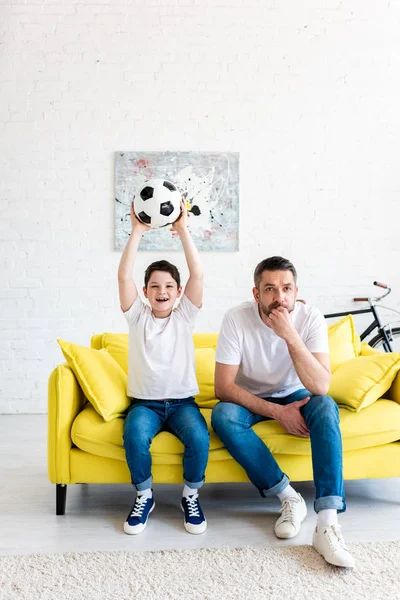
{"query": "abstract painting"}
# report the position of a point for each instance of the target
(209, 182)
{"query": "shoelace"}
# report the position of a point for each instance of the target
(138, 508)
(287, 510)
(335, 538)
(193, 506)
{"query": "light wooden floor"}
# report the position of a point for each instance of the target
(236, 513)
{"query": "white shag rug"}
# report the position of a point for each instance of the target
(289, 573)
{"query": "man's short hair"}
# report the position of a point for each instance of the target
(273, 263)
(162, 265)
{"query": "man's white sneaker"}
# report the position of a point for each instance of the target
(293, 512)
(329, 542)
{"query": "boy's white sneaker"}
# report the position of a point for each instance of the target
(293, 513)
(329, 542)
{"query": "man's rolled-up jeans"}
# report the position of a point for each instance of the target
(233, 424)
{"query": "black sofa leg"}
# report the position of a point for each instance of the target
(61, 498)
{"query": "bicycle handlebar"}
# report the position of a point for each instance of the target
(382, 285)
(374, 300)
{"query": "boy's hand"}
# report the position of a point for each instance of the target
(182, 221)
(136, 224)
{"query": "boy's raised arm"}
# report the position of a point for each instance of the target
(127, 288)
(194, 286)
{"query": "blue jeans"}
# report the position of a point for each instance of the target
(233, 424)
(183, 418)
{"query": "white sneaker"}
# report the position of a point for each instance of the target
(293, 512)
(329, 542)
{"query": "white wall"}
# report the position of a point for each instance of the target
(307, 91)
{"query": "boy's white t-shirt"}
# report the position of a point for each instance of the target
(161, 362)
(265, 365)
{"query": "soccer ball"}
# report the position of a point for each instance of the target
(157, 203)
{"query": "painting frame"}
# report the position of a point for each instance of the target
(209, 182)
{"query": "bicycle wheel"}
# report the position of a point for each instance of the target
(394, 338)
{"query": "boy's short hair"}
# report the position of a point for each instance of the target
(274, 263)
(162, 265)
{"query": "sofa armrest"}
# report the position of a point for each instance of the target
(65, 402)
(394, 391)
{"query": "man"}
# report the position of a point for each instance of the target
(273, 363)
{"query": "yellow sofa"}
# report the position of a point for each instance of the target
(83, 448)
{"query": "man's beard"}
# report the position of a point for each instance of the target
(266, 310)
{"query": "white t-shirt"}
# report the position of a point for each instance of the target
(161, 361)
(265, 366)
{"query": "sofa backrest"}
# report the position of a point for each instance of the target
(201, 340)
(116, 345)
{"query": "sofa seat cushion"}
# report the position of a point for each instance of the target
(376, 425)
(91, 434)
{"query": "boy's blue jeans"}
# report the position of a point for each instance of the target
(183, 418)
(233, 424)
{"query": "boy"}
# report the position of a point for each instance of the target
(161, 374)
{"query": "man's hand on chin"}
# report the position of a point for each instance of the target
(280, 322)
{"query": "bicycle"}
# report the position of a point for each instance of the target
(388, 337)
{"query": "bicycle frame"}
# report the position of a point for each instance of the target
(376, 324)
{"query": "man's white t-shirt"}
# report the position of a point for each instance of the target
(161, 362)
(265, 366)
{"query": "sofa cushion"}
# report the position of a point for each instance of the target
(91, 434)
(201, 340)
(376, 425)
(205, 368)
(344, 343)
(116, 345)
(367, 350)
(359, 382)
(102, 380)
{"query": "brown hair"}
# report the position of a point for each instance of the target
(162, 265)
(274, 263)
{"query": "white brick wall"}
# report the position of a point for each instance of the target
(307, 91)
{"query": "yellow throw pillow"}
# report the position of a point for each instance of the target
(116, 345)
(367, 350)
(102, 380)
(344, 343)
(205, 367)
(394, 392)
(358, 382)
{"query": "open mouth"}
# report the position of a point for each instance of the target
(162, 300)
